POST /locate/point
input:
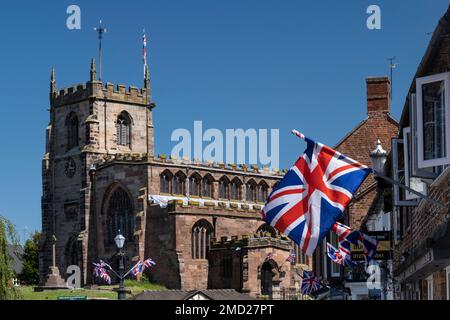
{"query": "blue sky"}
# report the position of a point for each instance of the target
(230, 63)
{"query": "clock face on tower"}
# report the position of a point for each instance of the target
(70, 167)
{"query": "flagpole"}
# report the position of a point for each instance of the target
(298, 134)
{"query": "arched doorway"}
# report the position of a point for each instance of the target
(269, 270)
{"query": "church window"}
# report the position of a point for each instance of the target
(165, 182)
(120, 215)
(200, 239)
(266, 230)
(123, 125)
(224, 188)
(72, 131)
(250, 191)
(262, 192)
(236, 189)
(207, 186)
(179, 183)
(195, 185)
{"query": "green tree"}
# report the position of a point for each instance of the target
(7, 237)
(30, 270)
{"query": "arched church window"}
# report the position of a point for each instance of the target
(120, 215)
(207, 186)
(165, 182)
(200, 239)
(250, 191)
(123, 128)
(224, 188)
(262, 193)
(236, 189)
(179, 183)
(72, 130)
(195, 184)
(266, 230)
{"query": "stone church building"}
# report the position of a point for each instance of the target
(200, 222)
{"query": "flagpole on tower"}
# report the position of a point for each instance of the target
(100, 30)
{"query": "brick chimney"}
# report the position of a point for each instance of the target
(378, 95)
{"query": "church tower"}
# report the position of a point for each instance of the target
(89, 123)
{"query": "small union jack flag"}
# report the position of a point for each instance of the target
(340, 256)
(310, 283)
(138, 268)
(100, 272)
(313, 194)
(291, 257)
(347, 236)
(148, 263)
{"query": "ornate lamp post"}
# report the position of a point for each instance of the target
(120, 241)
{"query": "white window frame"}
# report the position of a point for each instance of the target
(395, 176)
(447, 277)
(422, 163)
(334, 266)
(426, 173)
(430, 287)
(415, 183)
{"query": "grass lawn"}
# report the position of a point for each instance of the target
(28, 293)
(105, 292)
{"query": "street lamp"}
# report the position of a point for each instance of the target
(378, 158)
(120, 241)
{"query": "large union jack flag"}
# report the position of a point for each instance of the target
(313, 194)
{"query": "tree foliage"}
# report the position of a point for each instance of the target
(30, 270)
(7, 237)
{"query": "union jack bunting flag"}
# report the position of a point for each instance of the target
(341, 230)
(347, 235)
(291, 257)
(105, 276)
(310, 283)
(341, 256)
(138, 268)
(100, 272)
(148, 263)
(313, 194)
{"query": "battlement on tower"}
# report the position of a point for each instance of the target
(251, 241)
(94, 90)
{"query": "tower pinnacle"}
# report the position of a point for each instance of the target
(147, 84)
(53, 87)
(93, 72)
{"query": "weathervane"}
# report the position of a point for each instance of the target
(100, 30)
